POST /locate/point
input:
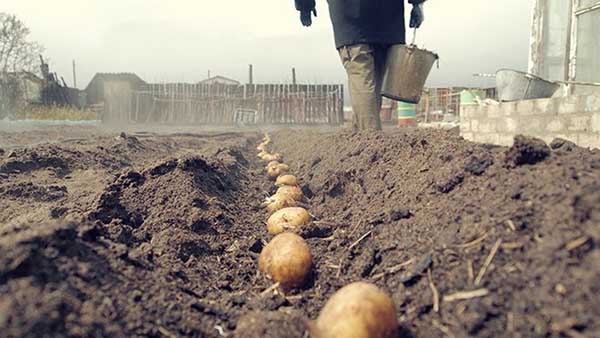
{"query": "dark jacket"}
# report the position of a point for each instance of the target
(365, 21)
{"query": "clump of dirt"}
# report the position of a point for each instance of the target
(180, 206)
(527, 150)
(270, 324)
(42, 269)
(31, 191)
(562, 144)
(509, 235)
(478, 164)
(62, 160)
(27, 160)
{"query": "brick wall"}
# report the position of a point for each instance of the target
(575, 118)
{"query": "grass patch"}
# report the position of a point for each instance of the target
(55, 113)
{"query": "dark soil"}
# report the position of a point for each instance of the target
(160, 241)
(442, 203)
(159, 235)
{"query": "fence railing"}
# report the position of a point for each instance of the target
(218, 104)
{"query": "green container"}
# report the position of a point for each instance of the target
(471, 97)
(407, 114)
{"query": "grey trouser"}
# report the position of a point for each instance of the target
(365, 65)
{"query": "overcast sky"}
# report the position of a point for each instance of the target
(180, 40)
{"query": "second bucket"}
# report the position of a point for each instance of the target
(407, 70)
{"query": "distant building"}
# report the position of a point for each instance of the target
(220, 80)
(565, 47)
(27, 85)
(564, 42)
(109, 84)
(18, 90)
(112, 94)
(31, 87)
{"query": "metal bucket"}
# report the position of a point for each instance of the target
(407, 70)
(513, 85)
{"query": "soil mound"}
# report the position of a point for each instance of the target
(159, 235)
(62, 160)
(511, 248)
(180, 206)
(158, 253)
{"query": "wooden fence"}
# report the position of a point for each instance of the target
(447, 100)
(7, 104)
(217, 104)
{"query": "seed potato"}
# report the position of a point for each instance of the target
(358, 310)
(286, 260)
(287, 180)
(288, 219)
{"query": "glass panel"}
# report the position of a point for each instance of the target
(554, 48)
(587, 3)
(588, 47)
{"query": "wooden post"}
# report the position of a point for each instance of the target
(328, 104)
(427, 108)
(193, 103)
(205, 104)
(280, 107)
(270, 102)
(151, 112)
(294, 76)
(74, 75)
(172, 96)
(137, 106)
(175, 102)
(250, 74)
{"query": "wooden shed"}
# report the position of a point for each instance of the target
(114, 93)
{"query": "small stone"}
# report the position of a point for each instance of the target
(477, 165)
(136, 296)
(562, 144)
(238, 300)
(257, 246)
(560, 289)
(315, 161)
(397, 214)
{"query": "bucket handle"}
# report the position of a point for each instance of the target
(414, 44)
(414, 41)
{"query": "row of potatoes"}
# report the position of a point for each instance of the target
(358, 310)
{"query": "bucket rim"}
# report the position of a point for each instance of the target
(415, 47)
(528, 75)
(398, 98)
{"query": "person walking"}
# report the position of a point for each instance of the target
(364, 30)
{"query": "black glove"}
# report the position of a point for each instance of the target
(306, 17)
(417, 16)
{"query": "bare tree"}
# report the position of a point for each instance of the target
(17, 52)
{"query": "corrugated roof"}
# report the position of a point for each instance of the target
(219, 78)
(129, 77)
